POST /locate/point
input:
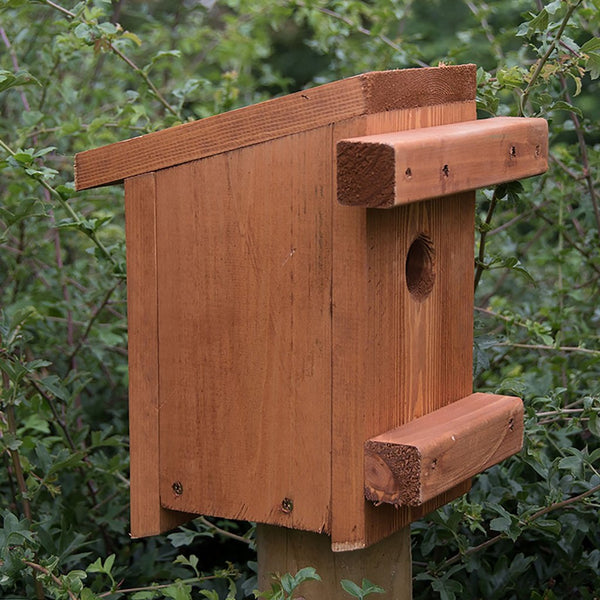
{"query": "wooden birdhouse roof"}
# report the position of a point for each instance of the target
(364, 94)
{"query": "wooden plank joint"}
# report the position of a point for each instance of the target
(386, 170)
(414, 463)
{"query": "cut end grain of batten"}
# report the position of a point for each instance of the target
(410, 465)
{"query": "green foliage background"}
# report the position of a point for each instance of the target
(78, 75)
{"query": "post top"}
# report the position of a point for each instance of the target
(369, 93)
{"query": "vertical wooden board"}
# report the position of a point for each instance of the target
(387, 564)
(245, 333)
(147, 515)
(394, 357)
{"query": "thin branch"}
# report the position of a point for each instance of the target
(45, 571)
(223, 532)
(124, 58)
(162, 586)
(70, 211)
(584, 155)
(359, 28)
(92, 320)
(485, 26)
(528, 521)
(554, 348)
(484, 231)
(540, 63)
(15, 63)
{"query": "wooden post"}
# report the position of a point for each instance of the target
(387, 563)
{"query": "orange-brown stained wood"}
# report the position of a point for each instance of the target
(369, 93)
(147, 515)
(291, 329)
(402, 345)
(244, 279)
(390, 169)
(421, 459)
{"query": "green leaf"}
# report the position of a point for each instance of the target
(591, 45)
(593, 65)
(8, 79)
(351, 588)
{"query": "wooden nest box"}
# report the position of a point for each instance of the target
(300, 298)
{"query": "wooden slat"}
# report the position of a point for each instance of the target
(426, 457)
(147, 515)
(244, 274)
(381, 171)
(369, 93)
(395, 357)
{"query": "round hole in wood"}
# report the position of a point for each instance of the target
(420, 273)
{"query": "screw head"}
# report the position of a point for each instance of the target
(177, 488)
(287, 505)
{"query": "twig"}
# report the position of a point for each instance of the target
(15, 63)
(555, 348)
(162, 586)
(124, 58)
(359, 28)
(528, 521)
(540, 63)
(484, 231)
(583, 150)
(223, 532)
(92, 320)
(90, 234)
(519, 217)
(486, 28)
(45, 571)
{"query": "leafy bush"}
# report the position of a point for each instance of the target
(90, 73)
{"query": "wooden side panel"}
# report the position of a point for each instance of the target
(424, 458)
(396, 355)
(244, 271)
(387, 564)
(147, 515)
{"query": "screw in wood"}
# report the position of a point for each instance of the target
(177, 488)
(287, 505)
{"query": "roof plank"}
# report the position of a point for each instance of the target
(368, 93)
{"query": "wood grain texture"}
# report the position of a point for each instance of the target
(244, 276)
(387, 564)
(290, 329)
(396, 356)
(369, 93)
(147, 515)
(428, 456)
(381, 171)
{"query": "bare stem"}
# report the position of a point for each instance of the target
(124, 58)
(540, 63)
(583, 151)
(92, 320)
(223, 532)
(484, 231)
(340, 17)
(554, 348)
(45, 571)
(162, 585)
(528, 521)
(70, 211)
